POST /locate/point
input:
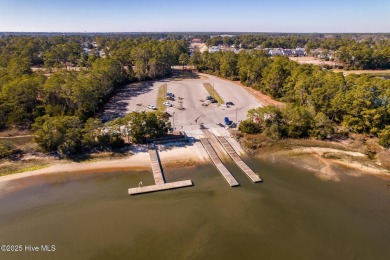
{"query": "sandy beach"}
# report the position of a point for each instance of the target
(171, 156)
(329, 164)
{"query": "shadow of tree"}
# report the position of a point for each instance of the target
(116, 106)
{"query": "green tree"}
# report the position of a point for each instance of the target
(275, 75)
(144, 125)
(91, 132)
(270, 119)
(323, 127)
(297, 120)
(228, 68)
(184, 59)
(62, 134)
(249, 127)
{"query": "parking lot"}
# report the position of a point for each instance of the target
(187, 112)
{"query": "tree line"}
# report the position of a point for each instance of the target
(321, 103)
(354, 51)
(57, 105)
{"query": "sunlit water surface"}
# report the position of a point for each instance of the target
(291, 215)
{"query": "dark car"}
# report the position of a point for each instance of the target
(209, 98)
(213, 100)
(229, 103)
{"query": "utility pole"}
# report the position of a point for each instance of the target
(173, 121)
(236, 116)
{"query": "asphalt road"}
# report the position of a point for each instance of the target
(190, 92)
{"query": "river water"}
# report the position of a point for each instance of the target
(291, 215)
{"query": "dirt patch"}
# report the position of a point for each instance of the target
(315, 61)
(13, 132)
(347, 72)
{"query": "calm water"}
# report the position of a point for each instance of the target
(292, 215)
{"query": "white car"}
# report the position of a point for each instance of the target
(152, 107)
(168, 104)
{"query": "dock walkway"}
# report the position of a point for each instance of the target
(159, 179)
(156, 167)
(237, 159)
(218, 163)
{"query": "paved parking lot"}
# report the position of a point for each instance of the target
(190, 92)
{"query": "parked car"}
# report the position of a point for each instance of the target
(225, 105)
(229, 103)
(152, 107)
(170, 98)
(169, 94)
(168, 104)
(209, 98)
(213, 100)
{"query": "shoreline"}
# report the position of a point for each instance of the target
(327, 163)
(139, 161)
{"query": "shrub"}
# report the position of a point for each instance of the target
(5, 149)
(384, 137)
(249, 127)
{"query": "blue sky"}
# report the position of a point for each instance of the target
(195, 15)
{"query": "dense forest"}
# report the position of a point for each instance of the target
(320, 103)
(63, 99)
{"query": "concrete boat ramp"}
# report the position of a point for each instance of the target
(215, 146)
(237, 159)
(211, 146)
(218, 163)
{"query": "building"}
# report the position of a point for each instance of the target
(196, 40)
(275, 52)
(213, 49)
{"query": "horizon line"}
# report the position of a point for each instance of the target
(124, 32)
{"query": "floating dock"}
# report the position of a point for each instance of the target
(160, 187)
(159, 179)
(237, 159)
(218, 163)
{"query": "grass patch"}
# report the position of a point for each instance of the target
(380, 73)
(17, 141)
(161, 97)
(213, 93)
(23, 167)
(263, 144)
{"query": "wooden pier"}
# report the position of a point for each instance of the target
(237, 159)
(218, 163)
(160, 187)
(159, 179)
(156, 167)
